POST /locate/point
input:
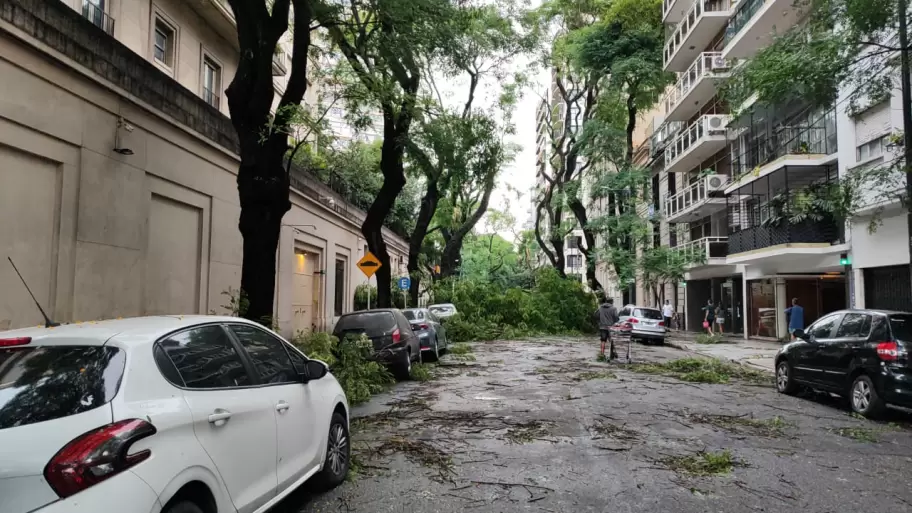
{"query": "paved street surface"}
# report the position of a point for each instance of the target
(541, 426)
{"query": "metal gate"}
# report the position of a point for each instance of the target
(888, 288)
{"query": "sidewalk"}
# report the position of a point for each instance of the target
(759, 354)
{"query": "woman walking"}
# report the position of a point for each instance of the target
(709, 317)
(720, 319)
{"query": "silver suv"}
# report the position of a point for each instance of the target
(648, 323)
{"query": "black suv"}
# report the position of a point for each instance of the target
(859, 354)
(395, 344)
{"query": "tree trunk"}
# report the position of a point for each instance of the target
(393, 181)
(580, 212)
(453, 248)
(425, 214)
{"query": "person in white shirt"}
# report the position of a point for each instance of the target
(668, 313)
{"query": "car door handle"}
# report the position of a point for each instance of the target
(282, 406)
(219, 417)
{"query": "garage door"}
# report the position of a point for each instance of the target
(888, 288)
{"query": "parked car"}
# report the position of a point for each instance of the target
(443, 310)
(859, 354)
(648, 323)
(186, 414)
(395, 344)
(431, 334)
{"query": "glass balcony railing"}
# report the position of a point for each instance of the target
(743, 14)
(707, 125)
(690, 21)
(707, 63)
(762, 145)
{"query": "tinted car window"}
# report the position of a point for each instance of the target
(409, 314)
(625, 312)
(51, 382)
(373, 324)
(205, 358)
(645, 313)
(880, 331)
(854, 325)
(901, 324)
(824, 327)
(267, 353)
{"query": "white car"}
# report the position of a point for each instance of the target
(443, 310)
(647, 323)
(191, 414)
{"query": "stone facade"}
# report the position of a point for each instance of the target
(98, 233)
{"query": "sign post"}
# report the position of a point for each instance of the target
(404, 283)
(369, 264)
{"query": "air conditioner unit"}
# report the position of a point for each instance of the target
(715, 183)
(720, 64)
(716, 123)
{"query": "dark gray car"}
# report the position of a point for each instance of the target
(431, 333)
(395, 344)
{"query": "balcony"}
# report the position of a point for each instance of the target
(695, 32)
(660, 138)
(804, 144)
(755, 23)
(673, 11)
(766, 236)
(702, 139)
(705, 251)
(98, 17)
(279, 63)
(693, 203)
(696, 86)
(218, 15)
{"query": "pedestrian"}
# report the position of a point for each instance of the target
(667, 313)
(720, 319)
(607, 317)
(796, 317)
(709, 316)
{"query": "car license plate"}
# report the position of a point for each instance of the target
(649, 323)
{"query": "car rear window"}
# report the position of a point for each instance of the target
(372, 323)
(902, 327)
(409, 314)
(44, 383)
(646, 313)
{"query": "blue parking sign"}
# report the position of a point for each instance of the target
(404, 283)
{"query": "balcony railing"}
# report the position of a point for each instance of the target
(707, 64)
(701, 250)
(764, 236)
(743, 14)
(98, 17)
(659, 139)
(710, 124)
(211, 98)
(692, 195)
(690, 21)
(761, 145)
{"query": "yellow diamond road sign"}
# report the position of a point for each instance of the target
(369, 264)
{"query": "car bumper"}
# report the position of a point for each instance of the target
(126, 491)
(390, 356)
(895, 385)
(648, 334)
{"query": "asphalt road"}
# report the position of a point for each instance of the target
(539, 426)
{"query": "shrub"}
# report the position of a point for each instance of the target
(488, 311)
(350, 362)
(706, 338)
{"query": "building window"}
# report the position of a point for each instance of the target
(212, 78)
(871, 149)
(163, 45)
(95, 11)
(340, 287)
(574, 261)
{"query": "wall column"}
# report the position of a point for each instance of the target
(745, 310)
(781, 305)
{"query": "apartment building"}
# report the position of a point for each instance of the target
(118, 171)
(725, 184)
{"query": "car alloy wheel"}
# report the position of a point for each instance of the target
(861, 395)
(782, 376)
(338, 449)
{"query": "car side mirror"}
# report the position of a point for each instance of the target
(803, 335)
(313, 369)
